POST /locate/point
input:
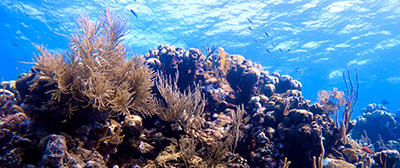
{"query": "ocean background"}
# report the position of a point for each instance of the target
(310, 40)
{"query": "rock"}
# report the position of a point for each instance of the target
(146, 148)
(352, 155)
(387, 158)
(268, 89)
(334, 163)
(254, 100)
(300, 116)
(55, 151)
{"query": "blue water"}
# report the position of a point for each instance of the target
(322, 36)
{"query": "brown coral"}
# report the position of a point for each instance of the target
(223, 61)
(95, 73)
(185, 108)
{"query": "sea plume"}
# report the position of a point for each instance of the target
(95, 77)
(185, 108)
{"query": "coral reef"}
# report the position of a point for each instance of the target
(93, 106)
(378, 131)
(376, 123)
(80, 92)
(387, 158)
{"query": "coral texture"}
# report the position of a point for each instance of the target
(94, 106)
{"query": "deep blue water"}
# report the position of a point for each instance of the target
(322, 36)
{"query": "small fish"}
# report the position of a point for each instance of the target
(256, 40)
(23, 62)
(250, 20)
(283, 54)
(268, 51)
(273, 44)
(250, 28)
(384, 102)
(133, 12)
(299, 70)
(266, 33)
(14, 44)
(289, 49)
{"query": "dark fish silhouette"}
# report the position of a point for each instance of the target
(384, 102)
(266, 34)
(268, 51)
(250, 28)
(283, 54)
(250, 20)
(14, 44)
(256, 40)
(133, 12)
(273, 44)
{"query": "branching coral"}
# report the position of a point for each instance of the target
(185, 108)
(96, 73)
(216, 152)
(50, 64)
(122, 102)
(187, 148)
(99, 45)
(318, 162)
(223, 60)
(286, 163)
(99, 92)
(237, 122)
(333, 101)
(139, 80)
(351, 100)
(54, 66)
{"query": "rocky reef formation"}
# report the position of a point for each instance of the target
(91, 106)
(376, 123)
(379, 131)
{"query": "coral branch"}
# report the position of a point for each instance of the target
(185, 108)
(319, 163)
(238, 121)
(286, 163)
(351, 100)
(95, 73)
